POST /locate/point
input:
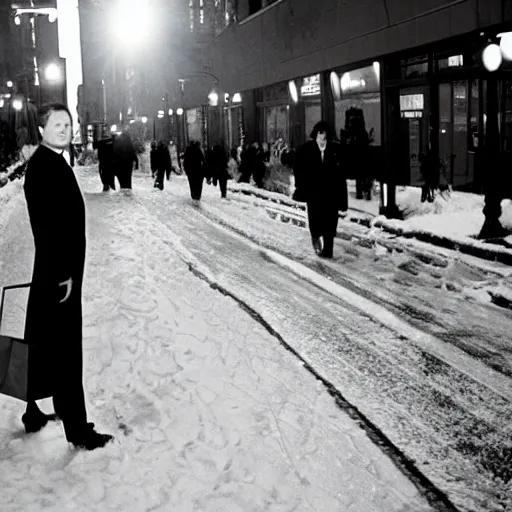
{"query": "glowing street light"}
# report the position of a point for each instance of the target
(506, 45)
(129, 21)
(17, 104)
(491, 57)
(144, 119)
(170, 111)
(9, 83)
(52, 72)
(179, 111)
(213, 99)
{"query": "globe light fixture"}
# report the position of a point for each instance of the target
(179, 111)
(52, 72)
(237, 98)
(170, 111)
(17, 20)
(491, 57)
(292, 89)
(213, 99)
(144, 119)
(9, 83)
(506, 45)
(335, 86)
(17, 104)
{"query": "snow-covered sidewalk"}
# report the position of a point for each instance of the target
(209, 411)
(452, 221)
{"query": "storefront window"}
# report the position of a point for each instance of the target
(195, 126)
(360, 88)
(276, 120)
(416, 67)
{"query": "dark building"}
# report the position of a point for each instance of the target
(414, 68)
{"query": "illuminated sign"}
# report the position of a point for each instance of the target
(310, 86)
(412, 114)
(411, 102)
(455, 61)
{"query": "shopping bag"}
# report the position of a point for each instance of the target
(22, 372)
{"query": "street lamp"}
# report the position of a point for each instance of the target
(52, 72)
(179, 111)
(144, 119)
(17, 104)
(213, 99)
(9, 83)
(129, 21)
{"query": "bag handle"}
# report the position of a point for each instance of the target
(9, 287)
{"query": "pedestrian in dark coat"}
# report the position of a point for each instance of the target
(162, 163)
(125, 157)
(56, 210)
(320, 182)
(219, 169)
(195, 168)
(153, 157)
(106, 163)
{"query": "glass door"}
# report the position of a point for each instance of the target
(459, 133)
(414, 132)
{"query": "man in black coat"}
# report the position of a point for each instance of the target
(320, 182)
(195, 169)
(124, 159)
(106, 162)
(54, 313)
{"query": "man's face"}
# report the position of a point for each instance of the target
(57, 132)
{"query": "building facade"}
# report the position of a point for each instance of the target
(414, 68)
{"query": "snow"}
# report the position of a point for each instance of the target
(209, 411)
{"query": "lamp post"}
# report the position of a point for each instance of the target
(493, 56)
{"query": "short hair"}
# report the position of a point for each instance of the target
(322, 126)
(47, 109)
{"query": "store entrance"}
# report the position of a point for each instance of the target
(414, 130)
(459, 133)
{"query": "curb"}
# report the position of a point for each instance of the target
(497, 254)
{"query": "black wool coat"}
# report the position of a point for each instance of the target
(322, 185)
(57, 215)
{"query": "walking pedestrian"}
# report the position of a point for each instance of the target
(162, 163)
(56, 210)
(124, 158)
(320, 182)
(105, 149)
(219, 169)
(153, 156)
(195, 167)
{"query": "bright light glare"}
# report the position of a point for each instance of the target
(506, 45)
(9, 83)
(237, 97)
(213, 99)
(132, 121)
(1, 103)
(492, 57)
(170, 111)
(144, 119)
(17, 20)
(17, 104)
(179, 111)
(129, 21)
(113, 128)
(52, 72)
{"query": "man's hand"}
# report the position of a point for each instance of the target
(68, 284)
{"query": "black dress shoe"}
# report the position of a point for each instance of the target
(89, 439)
(35, 421)
(317, 245)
